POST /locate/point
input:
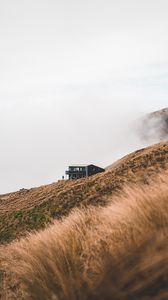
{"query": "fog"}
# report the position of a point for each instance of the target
(75, 77)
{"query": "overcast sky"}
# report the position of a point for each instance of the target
(74, 78)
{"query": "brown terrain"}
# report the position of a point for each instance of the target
(29, 210)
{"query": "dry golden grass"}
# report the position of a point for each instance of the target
(115, 252)
(33, 209)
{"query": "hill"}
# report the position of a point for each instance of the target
(28, 210)
(116, 252)
(154, 126)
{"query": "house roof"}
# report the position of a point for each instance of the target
(79, 165)
(84, 165)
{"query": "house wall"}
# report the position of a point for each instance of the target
(94, 170)
(80, 172)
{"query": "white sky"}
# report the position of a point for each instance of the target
(74, 76)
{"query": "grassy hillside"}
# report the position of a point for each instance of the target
(27, 210)
(116, 252)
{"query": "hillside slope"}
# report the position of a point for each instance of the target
(95, 253)
(27, 210)
(154, 126)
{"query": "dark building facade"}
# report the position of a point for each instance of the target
(80, 171)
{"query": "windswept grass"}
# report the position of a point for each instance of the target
(115, 252)
(29, 210)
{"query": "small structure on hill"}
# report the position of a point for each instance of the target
(80, 171)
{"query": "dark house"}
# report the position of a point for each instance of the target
(80, 171)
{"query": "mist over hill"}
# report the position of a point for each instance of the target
(84, 82)
(154, 127)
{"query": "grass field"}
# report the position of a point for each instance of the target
(114, 252)
(28, 210)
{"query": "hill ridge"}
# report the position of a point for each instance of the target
(32, 209)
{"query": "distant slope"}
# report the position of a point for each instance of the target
(27, 210)
(154, 126)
